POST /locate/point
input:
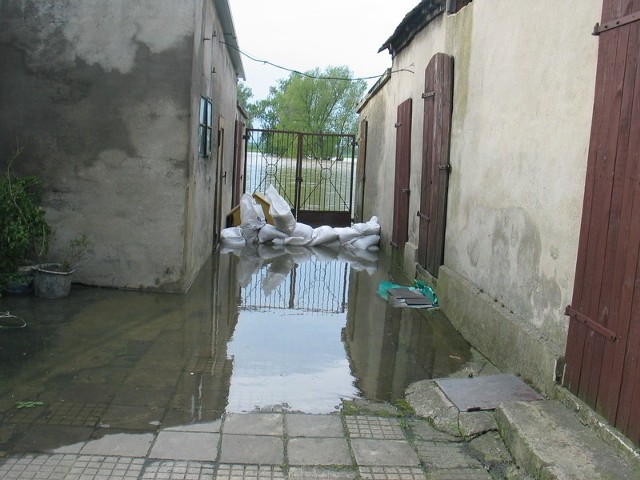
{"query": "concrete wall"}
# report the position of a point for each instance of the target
(104, 96)
(524, 75)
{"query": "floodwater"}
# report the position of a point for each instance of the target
(261, 329)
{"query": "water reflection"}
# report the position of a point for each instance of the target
(268, 328)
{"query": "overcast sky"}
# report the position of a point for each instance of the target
(304, 34)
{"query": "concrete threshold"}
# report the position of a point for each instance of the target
(549, 442)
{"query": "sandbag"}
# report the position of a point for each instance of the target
(323, 235)
(268, 233)
(232, 236)
(301, 235)
(251, 214)
(280, 211)
(346, 234)
(365, 242)
(372, 227)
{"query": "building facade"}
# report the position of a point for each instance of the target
(127, 112)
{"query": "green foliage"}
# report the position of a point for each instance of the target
(245, 94)
(316, 101)
(75, 253)
(24, 231)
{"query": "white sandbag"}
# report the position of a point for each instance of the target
(323, 235)
(365, 242)
(270, 232)
(251, 214)
(372, 227)
(346, 234)
(232, 236)
(301, 235)
(280, 211)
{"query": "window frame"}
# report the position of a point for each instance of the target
(205, 127)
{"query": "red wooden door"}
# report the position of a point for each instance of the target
(437, 96)
(400, 234)
(603, 346)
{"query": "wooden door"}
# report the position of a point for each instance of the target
(221, 179)
(238, 163)
(603, 345)
(400, 233)
(437, 96)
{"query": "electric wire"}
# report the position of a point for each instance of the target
(308, 75)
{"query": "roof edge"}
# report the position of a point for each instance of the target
(229, 34)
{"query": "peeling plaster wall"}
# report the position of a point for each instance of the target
(104, 96)
(524, 75)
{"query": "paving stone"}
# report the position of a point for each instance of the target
(252, 449)
(491, 449)
(207, 427)
(445, 455)
(318, 451)
(384, 453)
(254, 424)
(472, 424)
(391, 473)
(186, 446)
(428, 401)
(177, 470)
(321, 473)
(133, 417)
(459, 474)
(421, 430)
(249, 472)
(123, 444)
(299, 425)
(379, 428)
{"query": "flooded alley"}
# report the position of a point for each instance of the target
(266, 330)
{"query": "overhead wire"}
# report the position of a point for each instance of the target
(308, 75)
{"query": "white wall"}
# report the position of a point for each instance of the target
(524, 75)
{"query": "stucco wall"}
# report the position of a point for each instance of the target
(105, 97)
(524, 75)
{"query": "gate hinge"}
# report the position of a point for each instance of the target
(618, 22)
(428, 94)
(595, 326)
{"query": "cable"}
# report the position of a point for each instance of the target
(316, 77)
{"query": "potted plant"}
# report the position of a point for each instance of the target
(53, 280)
(24, 232)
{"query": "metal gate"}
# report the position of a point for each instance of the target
(312, 171)
(603, 345)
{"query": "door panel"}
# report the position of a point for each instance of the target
(438, 107)
(401, 191)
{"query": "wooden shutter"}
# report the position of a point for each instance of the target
(401, 187)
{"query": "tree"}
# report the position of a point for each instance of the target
(244, 100)
(316, 101)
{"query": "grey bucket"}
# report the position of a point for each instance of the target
(49, 281)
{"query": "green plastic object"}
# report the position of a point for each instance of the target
(418, 286)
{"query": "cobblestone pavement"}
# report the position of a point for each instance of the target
(360, 443)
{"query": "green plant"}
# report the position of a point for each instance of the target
(76, 253)
(24, 231)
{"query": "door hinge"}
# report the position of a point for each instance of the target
(446, 167)
(618, 22)
(595, 326)
(423, 216)
(428, 94)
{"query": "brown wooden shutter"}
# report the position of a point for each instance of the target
(401, 192)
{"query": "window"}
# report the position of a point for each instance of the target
(454, 6)
(205, 130)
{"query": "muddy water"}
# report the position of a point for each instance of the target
(259, 330)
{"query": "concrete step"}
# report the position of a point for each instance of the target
(549, 442)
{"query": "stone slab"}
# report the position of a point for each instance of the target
(318, 451)
(299, 425)
(254, 424)
(549, 442)
(186, 446)
(252, 449)
(121, 444)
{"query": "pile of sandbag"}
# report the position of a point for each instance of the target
(287, 231)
